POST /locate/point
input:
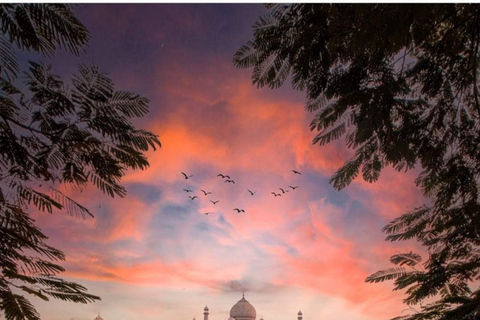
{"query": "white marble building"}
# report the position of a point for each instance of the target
(242, 310)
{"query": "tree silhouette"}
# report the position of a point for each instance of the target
(51, 136)
(400, 83)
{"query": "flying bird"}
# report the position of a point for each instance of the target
(187, 190)
(276, 194)
(296, 172)
(239, 210)
(223, 176)
(283, 191)
(192, 197)
(205, 192)
(185, 175)
(230, 181)
(207, 213)
(293, 187)
(214, 202)
(252, 192)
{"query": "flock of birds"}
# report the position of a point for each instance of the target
(228, 179)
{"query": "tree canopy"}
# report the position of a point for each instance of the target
(400, 83)
(53, 135)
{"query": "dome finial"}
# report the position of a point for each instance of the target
(300, 316)
(243, 294)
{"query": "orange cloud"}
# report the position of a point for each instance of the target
(326, 263)
(217, 123)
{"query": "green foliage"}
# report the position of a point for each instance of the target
(42, 27)
(18, 235)
(51, 136)
(400, 83)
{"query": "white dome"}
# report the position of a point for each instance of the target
(243, 310)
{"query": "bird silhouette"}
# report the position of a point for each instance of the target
(214, 202)
(296, 172)
(207, 213)
(283, 191)
(293, 187)
(230, 181)
(223, 176)
(192, 197)
(252, 192)
(276, 194)
(185, 175)
(187, 190)
(205, 192)
(239, 210)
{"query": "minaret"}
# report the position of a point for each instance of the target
(205, 313)
(300, 316)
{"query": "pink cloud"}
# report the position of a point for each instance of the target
(326, 263)
(218, 123)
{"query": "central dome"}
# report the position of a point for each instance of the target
(243, 310)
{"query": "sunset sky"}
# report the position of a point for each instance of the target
(154, 255)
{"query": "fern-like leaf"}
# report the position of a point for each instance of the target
(264, 22)
(247, 56)
(16, 307)
(387, 274)
(410, 259)
(8, 60)
(319, 102)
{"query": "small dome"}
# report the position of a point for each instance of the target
(206, 308)
(299, 313)
(243, 310)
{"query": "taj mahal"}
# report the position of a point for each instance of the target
(242, 310)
